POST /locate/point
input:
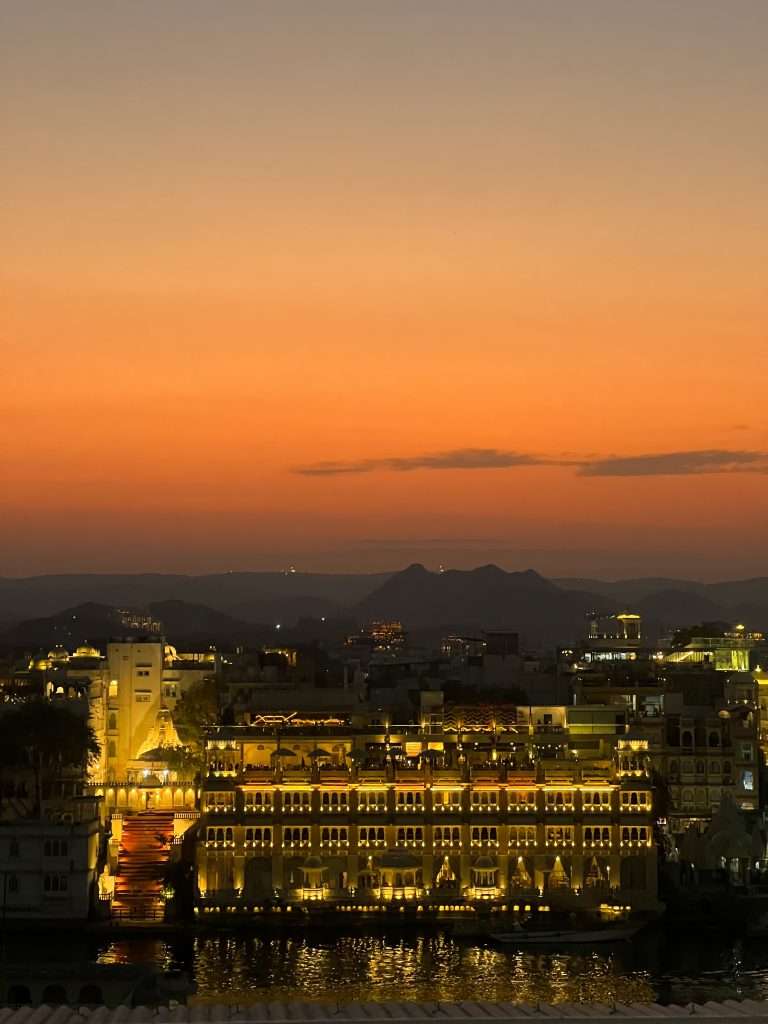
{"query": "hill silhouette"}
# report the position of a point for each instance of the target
(92, 623)
(483, 598)
(226, 607)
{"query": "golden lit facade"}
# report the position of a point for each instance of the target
(363, 820)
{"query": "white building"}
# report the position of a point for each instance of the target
(48, 866)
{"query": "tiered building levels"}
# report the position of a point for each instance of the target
(363, 819)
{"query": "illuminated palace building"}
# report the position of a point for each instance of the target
(503, 811)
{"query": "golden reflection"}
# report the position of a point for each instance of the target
(415, 967)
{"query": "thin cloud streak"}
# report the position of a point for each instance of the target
(683, 463)
(460, 458)
(713, 460)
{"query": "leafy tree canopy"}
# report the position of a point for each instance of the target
(46, 738)
(197, 709)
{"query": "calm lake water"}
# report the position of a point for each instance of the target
(430, 966)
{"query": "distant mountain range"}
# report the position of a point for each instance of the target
(250, 596)
(232, 607)
(91, 623)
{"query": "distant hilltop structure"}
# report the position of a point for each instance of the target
(140, 622)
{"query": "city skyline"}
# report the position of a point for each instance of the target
(353, 286)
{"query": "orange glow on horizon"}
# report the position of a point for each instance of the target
(258, 255)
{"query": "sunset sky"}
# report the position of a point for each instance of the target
(354, 284)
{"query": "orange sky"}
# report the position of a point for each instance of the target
(243, 240)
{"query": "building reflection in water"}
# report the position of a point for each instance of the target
(244, 969)
(429, 966)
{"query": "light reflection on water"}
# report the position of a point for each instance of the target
(426, 967)
(372, 967)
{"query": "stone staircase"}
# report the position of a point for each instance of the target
(141, 865)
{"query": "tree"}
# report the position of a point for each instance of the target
(197, 709)
(182, 760)
(45, 738)
(12, 753)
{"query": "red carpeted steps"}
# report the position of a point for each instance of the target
(141, 865)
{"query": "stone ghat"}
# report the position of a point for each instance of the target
(361, 1013)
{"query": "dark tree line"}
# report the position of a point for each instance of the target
(43, 739)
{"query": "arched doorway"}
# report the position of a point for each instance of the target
(19, 995)
(90, 995)
(54, 995)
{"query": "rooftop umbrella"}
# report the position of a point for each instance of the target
(319, 752)
(283, 752)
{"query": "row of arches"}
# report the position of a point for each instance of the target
(55, 995)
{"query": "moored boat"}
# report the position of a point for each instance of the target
(530, 937)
